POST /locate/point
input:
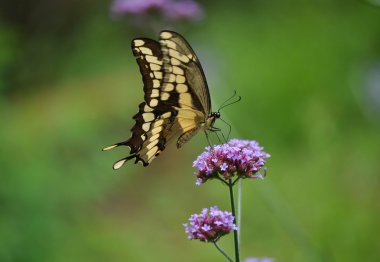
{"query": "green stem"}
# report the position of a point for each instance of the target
(223, 181)
(236, 239)
(222, 251)
(240, 188)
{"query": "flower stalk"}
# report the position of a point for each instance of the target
(236, 239)
(229, 163)
(238, 217)
(222, 251)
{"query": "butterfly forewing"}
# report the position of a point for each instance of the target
(182, 68)
(184, 71)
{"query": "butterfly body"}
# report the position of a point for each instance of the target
(176, 98)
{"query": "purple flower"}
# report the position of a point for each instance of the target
(169, 9)
(241, 158)
(210, 225)
(184, 10)
(120, 7)
(223, 167)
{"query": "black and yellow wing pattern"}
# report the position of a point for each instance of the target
(176, 98)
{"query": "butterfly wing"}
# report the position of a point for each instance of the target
(184, 74)
(177, 99)
(146, 141)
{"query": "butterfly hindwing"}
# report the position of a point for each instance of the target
(149, 58)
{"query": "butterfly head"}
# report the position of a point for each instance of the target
(211, 120)
(215, 115)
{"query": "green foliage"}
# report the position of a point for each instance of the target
(298, 69)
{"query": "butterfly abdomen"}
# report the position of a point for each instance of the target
(186, 136)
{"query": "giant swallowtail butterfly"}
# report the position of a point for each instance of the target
(177, 100)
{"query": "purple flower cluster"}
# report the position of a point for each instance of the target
(184, 10)
(120, 7)
(241, 158)
(210, 226)
(171, 9)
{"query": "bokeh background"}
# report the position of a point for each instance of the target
(309, 76)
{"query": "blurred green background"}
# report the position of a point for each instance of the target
(309, 75)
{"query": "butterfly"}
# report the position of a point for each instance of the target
(177, 102)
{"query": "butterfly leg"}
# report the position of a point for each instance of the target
(208, 139)
(216, 133)
(229, 131)
(214, 129)
(224, 138)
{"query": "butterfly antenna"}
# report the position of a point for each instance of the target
(228, 100)
(237, 100)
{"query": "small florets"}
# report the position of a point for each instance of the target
(240, 158)
(169, 9)
(210, 224)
